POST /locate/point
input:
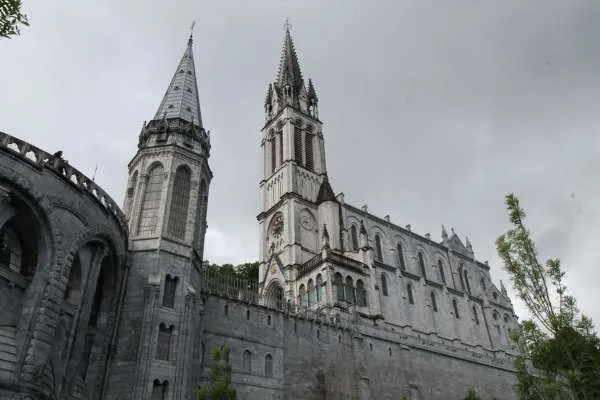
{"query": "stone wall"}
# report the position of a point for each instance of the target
(314, 360)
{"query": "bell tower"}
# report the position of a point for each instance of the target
(294, 184)
(165, 204)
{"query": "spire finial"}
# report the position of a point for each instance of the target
(286, 25)
(192, 31)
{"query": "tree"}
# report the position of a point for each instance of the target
(11, 18)
(219, 386)
(248, 271)
(559, 342)
(472, 395)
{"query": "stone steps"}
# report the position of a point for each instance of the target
(8, 352)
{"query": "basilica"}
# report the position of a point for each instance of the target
(99, 301)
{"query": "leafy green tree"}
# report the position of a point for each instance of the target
(248, 271)
(472, 395)
(559, 342)
(219, 386)
(11, 18)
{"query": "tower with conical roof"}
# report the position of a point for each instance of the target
(297, 199)
(165, 205)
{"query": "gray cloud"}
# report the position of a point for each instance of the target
(433, 110)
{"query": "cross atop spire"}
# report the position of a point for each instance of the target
(286, 25)
(181, 98)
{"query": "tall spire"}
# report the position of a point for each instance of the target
(289, 67)
(181, 99)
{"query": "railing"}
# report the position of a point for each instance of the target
(41, 159)
(218, 283)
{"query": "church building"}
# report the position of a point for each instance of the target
(99, 302)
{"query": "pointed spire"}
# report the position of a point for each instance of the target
(363, 230)
(289, 67)
(468, 244)
(325, 192)
(269, 97)
(181, 98)
(444, 234)
(312, 94)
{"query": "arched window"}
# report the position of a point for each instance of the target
(467, 285)
(475, 316)
(349, 290)
(311, 295)
(268, 366)
(159, 390)
(461, 268)
(354, 237)
(298, 143)
(278, 294)
(303, 299)
(273, 153)
(384, 285)
(73, 289)
(309, 150)
(103, 288)
(280, 139)
(131, 190)
(401, 262)
(433, 302)
(422, 265)
(441, 268)
(170, 290)
(163, 342)
(482, 283)
(455, 306)
(378, 250)
(180, 200)
(339, 285)
(151, 202)
(247, 361)
(361, 296)
(409, 293)
(319, 288)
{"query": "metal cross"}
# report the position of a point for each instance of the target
(287, 26)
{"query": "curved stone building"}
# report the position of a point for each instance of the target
(63, 267)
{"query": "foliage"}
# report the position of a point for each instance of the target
(246, 271)
(472, 395)
(559, 342)
(11, 18)
(219, 386)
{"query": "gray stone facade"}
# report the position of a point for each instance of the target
(98, 303)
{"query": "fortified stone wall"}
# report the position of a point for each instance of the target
(316, 360)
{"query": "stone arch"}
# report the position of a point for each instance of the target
(26, 252)
(274, 295)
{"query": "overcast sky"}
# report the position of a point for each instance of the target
(433, 110)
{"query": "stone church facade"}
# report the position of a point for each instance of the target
(99, 302)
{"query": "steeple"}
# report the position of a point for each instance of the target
(289, 67)
(289, 87)
(181, 98)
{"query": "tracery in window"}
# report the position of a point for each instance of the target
(354, 237)
(151, 201)
(180, 200)
(361, 295)
(422, 265)
(384, 285)
(378, 249)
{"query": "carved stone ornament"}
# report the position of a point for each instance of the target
(277, 225)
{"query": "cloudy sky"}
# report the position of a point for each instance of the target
(433, 110)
